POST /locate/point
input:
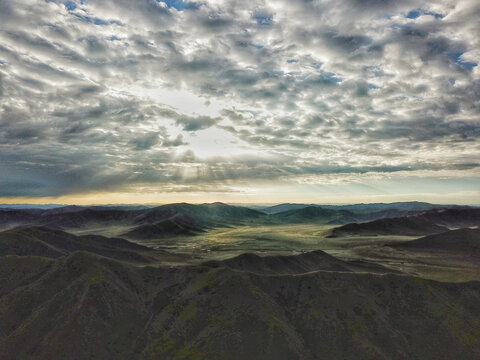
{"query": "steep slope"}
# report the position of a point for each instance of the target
(80, 307)
(462, 240)
(84, 306)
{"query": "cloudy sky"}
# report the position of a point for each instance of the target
(148, 101)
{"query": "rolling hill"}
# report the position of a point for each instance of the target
(177, 225)
(176, 218)
(461, 240)
(296, 264)
(359, 208)
(51, 243)
(316, 214)
(429, 222)
(87, 306)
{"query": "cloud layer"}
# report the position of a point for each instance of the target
(214, 95)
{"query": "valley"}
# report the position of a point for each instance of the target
(216, 281)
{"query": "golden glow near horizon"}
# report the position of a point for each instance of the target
(461, 198)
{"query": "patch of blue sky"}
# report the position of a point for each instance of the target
(331, 77)
(114, 38)
(263, 19)
(258, 46)
(179, 5)
(456, 57)
(326, 75)
(413, 14)
(291, 61)
(94, 20)
(373, 86)
(70, 5)
(373, 70)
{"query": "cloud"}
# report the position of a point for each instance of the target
(191, 123)
(311, 88)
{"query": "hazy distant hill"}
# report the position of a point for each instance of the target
(215, 214)
(143, 221)
(429, 222)
(359, 208)
(84, 306)
(343, 214)
(462, 240)
(314, 214)
(374, 207)
(284, 207)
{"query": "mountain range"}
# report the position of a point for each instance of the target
(83, 305)
(67, 296)
(184, 219)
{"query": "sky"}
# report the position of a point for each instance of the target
(147, 101)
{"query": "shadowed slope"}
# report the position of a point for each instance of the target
(410, 226)
(314, 214)
(430, 222)
(85, 306)
(175, 218)
(463, 240)
(295, 264)
(174, 226)
(41, 241)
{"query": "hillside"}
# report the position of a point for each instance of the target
(311, 214)
(462, 240)
(204, 215)
(87, 306)
(50, 243)
(295, 264)
(74, 218)
(359, 208)
(177, 225)
(425, 223)
(409, 226)
(284, 207)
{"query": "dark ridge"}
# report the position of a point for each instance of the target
(204, 215)
(361, 208)
(284, 207)
(314, 214)
(295, 264)
(51, 243)
(461, 240)
(88, 307)
(177, 225)
(409, 226)
(425, 223)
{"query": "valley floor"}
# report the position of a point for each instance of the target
(226, 242)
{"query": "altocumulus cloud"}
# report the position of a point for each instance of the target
(310, 88)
